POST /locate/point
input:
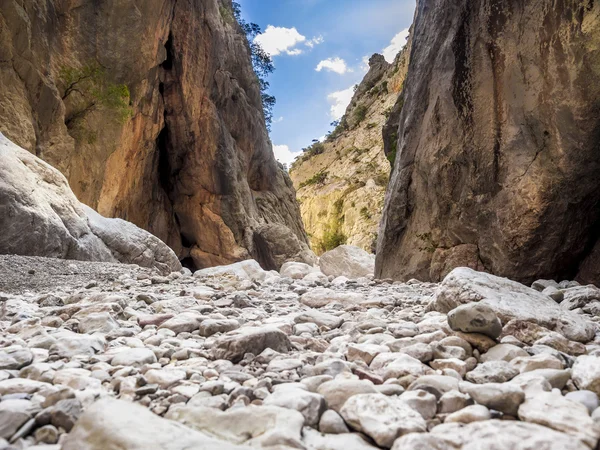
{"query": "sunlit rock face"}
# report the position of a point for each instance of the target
(192, 162)
(498, 160)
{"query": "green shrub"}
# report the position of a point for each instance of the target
(318, 178)
(381, 179)
(364, 213)
(359, 114)
(371, 125)
(87, 89)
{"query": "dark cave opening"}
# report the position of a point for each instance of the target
(168, 63)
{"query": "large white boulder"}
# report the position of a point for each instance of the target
(40, 216)
(117, 424)
(510, 300)
(349, 261)
(243, 270)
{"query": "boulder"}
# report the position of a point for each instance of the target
(475, 318)
(234, 346)
(243, 270)
(254, 426)
(382, 418)
(586, 373)
(510, 300)
(349, 261)
(496, 434)
(115, 424)
(275, 244)
(50, 221)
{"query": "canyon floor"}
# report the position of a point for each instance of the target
(107, 356)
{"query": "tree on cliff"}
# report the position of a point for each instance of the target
(261, 62)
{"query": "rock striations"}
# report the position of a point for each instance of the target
(153, 113)
(341, 182)
(498, 160)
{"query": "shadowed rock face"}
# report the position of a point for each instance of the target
(193, 164)
(498, 144)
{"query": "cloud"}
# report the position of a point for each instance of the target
(315, 41)
(397, 44)
(364, 64)
(339, 102)
(337, 65)
(278, 120)
(278, 40)
(284, 155)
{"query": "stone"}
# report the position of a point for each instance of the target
(496, 434)
(503, 352)
(339, 441)
(209, 327)
(510, 300)
(588, 399)
(296, 270)
(556, 377)
(364, 352)
(422, 402)
(332, 423)
(382, 418)
(134, 357)
(349, 261)
(69, 344)
(469, 414)
(185, 322)
(48, 434)
(275, 245)
(15, 358)
(97, 323)
(310, 405)
(320, 297)
(165, 378)
(337, 392)
(116, 424)
(492, 372)
(586, 373)
(233, 347)
(253, 426)
(244, 270)
(453, 401)
(579, 297)
(561, 414)
(50, 221)
(13, 415)
(475, 318)
(320, 318)
(504, 397)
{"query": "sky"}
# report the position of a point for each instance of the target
(320, 49)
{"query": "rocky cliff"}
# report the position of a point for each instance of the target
(498, 139)
(341, 182)
(153, 113)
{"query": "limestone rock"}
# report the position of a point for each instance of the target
(233, 347)
(586, 373)
(510, 300)
(348, 261)
(505, 397)
(115, 424)
(556, 412)
(469, 146)
(496, 434)
(255, 426)
(475, 318)
(50, 221)
(382, 418)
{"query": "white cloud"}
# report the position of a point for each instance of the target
(278, 120)
(364, 64)
(337, 65)
(397, 44)
(284, 155)
(278, 40)
(315, 41)
(339, 102)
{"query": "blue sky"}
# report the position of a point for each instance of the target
(334, 36)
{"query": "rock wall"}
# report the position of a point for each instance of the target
(341, 183)
(192, 162)
(498, 139)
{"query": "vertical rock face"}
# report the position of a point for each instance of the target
(341, 182)
(192, 163)
(498, 143)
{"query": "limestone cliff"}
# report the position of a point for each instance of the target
(341, 182)
(498, 140)
(153, 113)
